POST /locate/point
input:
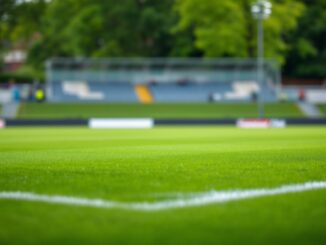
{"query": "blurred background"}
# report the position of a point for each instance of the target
(168, 58)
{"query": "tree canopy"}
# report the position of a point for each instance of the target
(294, 33)
(307, 56)
(226, 28)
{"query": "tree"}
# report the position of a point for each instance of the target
(95, 28)
(226, 28)
(294, 35)
(6, 22)
(20, 20)
(307, 57)
(20, 26)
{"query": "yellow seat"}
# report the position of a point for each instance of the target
(143, 93)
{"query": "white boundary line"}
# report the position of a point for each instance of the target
(199, 199)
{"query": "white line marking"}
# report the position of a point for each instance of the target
(199, 199)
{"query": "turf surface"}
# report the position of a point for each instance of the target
(228, 110)
(322, 108)
(156, 164)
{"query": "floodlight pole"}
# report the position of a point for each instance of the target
(260, 10)
(260, 65)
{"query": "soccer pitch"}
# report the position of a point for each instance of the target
(322, 108)
(160, 166)
(156, 110)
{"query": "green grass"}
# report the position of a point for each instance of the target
(139, 165)
(230, 110)
(322, 108)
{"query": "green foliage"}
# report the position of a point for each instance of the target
(307, 57)
(20, 27)
(106, 29)
(294, 33)
(20, 21)
(6, 22)
(226, 28)
(25, 74)
(284, 19)
(209, 19)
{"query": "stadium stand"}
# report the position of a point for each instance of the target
(70, 91)
(159, 80)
